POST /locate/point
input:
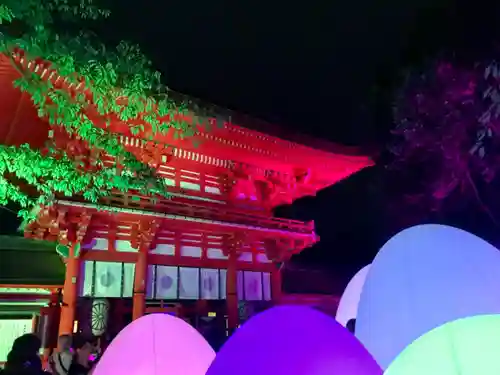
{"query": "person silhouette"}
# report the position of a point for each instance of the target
(60, 361)
(24, 359)
(351, 325)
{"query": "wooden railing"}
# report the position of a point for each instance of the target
(163, 205)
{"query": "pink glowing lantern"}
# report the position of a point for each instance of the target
(157, 344)
(293, 340)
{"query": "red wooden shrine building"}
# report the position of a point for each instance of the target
(212, 251)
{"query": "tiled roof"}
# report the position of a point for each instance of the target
(29, 262)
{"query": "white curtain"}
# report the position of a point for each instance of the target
(266, 279)
(223, 281)
(209, 283)
(189, 283)
(108, 279)
(128, 279)
(253, 286)
(166, 282)
(87, 278)
(150, 282)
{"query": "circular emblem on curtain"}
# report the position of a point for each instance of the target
(166, 282)
(107, 279)
(99, 316)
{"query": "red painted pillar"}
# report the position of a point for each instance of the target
(232, 294)
(70, 293)
(140, 279)
(276, 285)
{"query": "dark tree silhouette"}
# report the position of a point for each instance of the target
(446, 146)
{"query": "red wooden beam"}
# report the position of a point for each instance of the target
(261, 226)
(172, 260)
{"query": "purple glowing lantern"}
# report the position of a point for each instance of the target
(157, 344)
(293, 340)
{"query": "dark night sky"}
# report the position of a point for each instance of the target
(320, 67)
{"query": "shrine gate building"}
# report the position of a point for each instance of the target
(211, 251)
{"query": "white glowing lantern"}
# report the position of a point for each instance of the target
(348, 305)
(422, 278)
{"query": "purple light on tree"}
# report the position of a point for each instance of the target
(446, 139)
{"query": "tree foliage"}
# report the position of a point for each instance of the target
(447, 136)
(110, 75)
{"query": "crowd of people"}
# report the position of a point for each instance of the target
(75, 355)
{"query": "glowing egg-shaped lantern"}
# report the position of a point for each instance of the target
(422, 278)
(293, 340)
(157, 344)
(348, 305)
(463, 347)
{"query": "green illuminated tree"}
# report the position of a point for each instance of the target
(108, 74)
